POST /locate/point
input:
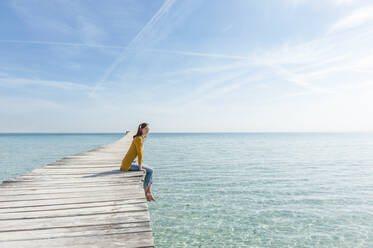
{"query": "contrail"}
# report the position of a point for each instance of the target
(36, 42)
(181, 52)
(134, 42)
(199, 54)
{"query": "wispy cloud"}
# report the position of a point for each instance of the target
(56, 43)
(323, 65)
(357, 18)
(204, 88)
(60, 17)
(135, 42)
(179, 68)
(199, 54)
(35, 19)
(27, 103)
(12, 82)
(336, 2)
(340, 2)
(180, 52)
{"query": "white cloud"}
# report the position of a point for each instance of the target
(200, 54)
(57, 43)
(356, 18)
(335, 2)
(343, 2)
(11, 82)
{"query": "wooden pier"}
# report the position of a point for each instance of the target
(82, 200)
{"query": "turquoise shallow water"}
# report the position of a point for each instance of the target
(21, 153)
(261, 190)
(239, 190)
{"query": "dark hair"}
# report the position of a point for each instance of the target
(139, 129)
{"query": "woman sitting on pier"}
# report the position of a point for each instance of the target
(137, 150)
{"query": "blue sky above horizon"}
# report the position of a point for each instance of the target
(188, 66)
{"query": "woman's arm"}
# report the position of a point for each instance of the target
(138, 144)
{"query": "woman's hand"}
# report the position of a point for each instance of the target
(141, 169)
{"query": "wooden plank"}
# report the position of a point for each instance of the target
(77, 166)
(124, 240)
(31, 200)
(116, 174)
(60, 190)
(76, 171)
(73, 220)
(84, 231)
(133, 190)
(58, 204)
(66, 212)
(82, 200)
(74, 183)
(97, 178)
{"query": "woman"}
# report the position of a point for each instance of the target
(136, 149)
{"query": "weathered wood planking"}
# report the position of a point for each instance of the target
(82, 200)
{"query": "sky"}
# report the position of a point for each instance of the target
(186, 66)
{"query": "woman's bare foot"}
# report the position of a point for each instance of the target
(151, 196)
(148, 198)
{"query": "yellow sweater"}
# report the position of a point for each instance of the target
(134, 150)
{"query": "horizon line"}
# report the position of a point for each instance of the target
(185, 132)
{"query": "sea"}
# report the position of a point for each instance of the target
(237, 189)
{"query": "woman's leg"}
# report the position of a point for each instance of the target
(135, 167)
(149, 175)
(148, 182)
(149, 193)
(149, 188)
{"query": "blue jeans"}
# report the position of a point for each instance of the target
(149, 172)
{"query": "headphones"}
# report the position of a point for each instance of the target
(140, 129)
